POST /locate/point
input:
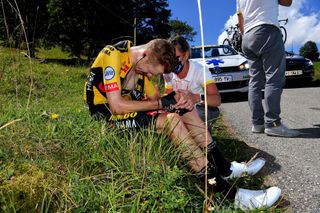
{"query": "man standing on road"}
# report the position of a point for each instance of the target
(263, 46)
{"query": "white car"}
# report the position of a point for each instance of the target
(229, 69)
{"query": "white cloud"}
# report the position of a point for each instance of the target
(302, 26)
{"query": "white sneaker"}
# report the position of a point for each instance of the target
(252, 199)
(257, 128)
(282, 131)
(238, 169)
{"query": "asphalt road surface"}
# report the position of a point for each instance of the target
(293, 164)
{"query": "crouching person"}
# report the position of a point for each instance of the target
(116, 91)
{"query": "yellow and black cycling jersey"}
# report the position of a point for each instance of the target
(108, 73)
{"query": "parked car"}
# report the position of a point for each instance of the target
(229, 69)
(298, 67)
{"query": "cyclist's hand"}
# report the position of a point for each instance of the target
(168, 102)
(176, 102)
(184, 101)
(193, 97)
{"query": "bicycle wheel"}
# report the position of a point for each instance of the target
(226, 42)
(284, 34)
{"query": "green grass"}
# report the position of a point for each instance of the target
(316, 70)
(55, 158)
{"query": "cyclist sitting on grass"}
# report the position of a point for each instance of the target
(119, 90)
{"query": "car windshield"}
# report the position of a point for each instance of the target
(212, 51)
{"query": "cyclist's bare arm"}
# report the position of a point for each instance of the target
(240, 22)
(286, 3)
(119, 105)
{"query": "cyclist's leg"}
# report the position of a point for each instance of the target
(172, 125)
(198, 132)
(212, 116)
(196, 128)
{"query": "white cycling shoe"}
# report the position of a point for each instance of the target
(252, 199)
(252, 168)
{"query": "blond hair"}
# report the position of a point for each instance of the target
(163, 52)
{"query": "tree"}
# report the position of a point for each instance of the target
(182, 28)
(152, 19)
(310, 50)
(23, 22)
(84, 27)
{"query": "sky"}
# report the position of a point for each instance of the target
(217, 15)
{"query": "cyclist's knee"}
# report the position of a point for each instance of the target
(171, 121)
(174, 121)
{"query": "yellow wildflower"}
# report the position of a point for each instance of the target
(54, 116)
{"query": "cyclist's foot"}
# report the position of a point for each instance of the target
(252, 168)
(252, 199)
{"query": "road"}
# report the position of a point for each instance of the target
(293, 163)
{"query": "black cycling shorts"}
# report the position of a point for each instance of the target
(131, 120)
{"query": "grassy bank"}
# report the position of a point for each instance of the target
(55, 158)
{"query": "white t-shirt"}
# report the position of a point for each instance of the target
(194, 81)
(258, 12)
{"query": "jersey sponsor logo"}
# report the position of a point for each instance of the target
(152, 113)
(109, 73)
(123, 116)
(111, 87)
(125, 68)
(90, 81)
(126, 124)
(108, 49)
(136, 95)
(101, 87)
